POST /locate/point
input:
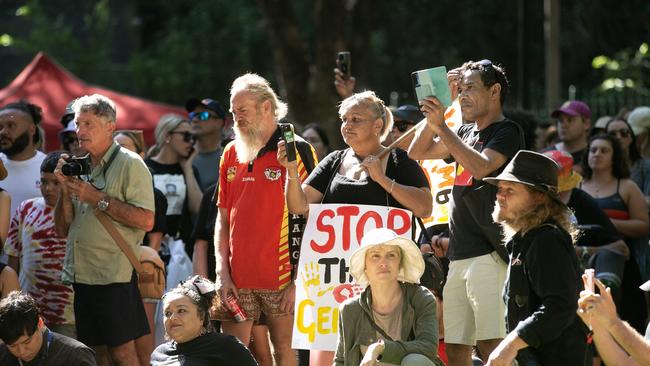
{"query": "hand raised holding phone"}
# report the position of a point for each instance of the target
(343, 79)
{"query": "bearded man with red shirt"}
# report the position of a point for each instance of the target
(254, 230)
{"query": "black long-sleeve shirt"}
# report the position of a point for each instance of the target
(542, 293)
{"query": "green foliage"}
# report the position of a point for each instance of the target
(198, 52)
(83, 48)
(627, 69)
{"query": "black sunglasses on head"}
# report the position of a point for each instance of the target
(187, 136)
(488, 66)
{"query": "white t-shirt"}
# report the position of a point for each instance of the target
(24, 179)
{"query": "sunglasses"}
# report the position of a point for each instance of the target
(202, 116)
(620, 133)
(488, 66)
(187, 136)
(402, 126)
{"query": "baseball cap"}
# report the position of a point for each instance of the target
(408, 113)
(602, 122)
(639, 119)
(573, 108)
(68, 115)
(70, 127)
(208, 103)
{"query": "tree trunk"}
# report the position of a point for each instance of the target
(307, 83)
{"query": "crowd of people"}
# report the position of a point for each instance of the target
(546, 239)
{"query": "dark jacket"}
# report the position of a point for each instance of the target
(206, 350)
(542, 293)
(419, 327)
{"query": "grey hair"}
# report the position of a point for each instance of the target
(96, 104)
(259, 86)
(369, 100)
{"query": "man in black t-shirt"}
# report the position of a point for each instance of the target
(27, 341)
(473, 305)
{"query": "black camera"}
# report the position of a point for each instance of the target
(76, 166)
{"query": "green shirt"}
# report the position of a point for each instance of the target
(92, 256)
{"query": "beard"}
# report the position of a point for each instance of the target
(248, 143)
(514, 221)
(19, 145)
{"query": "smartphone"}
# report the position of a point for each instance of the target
(432, 83)
(289, 138)
(589, 283)
(344, 63)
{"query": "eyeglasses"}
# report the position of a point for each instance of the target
(202, 116)
(187, 136)
(619, 133)
(402, 126)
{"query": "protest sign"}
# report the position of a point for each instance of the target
(323, 282)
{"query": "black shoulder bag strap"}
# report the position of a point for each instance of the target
(377, 327)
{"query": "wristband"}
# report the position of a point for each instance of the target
(292, 178)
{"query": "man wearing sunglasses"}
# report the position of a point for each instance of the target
(207, 117)
(27, 341)
(483, 146)
(404, 118)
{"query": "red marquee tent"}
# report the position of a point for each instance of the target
(50, 86)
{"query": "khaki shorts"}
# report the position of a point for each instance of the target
(254, 302)
(473, 300)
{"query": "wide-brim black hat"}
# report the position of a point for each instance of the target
(533, 169)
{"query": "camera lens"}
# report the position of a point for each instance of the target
(72, 169)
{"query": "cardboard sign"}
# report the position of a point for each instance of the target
(441, 175)
(323, 282)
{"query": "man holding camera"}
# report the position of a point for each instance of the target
(254, 231)
(117, 186)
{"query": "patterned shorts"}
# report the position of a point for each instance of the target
(254, 302)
